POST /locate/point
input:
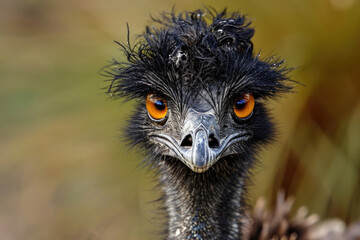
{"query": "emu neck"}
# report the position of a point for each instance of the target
(205, 205)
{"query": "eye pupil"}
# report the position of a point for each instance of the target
(240, 103)
(160, 105)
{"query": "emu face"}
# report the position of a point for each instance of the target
(206, 130)
(200, 89)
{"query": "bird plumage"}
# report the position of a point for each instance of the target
(197, 68)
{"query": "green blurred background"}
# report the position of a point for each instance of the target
(65, 174)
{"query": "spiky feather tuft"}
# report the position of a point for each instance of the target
(191, 50)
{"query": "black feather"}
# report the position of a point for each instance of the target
(186, 53)
(207, 54)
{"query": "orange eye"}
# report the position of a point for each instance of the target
(157, 107)
(244, 105)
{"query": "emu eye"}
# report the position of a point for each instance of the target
(244, 105)
(156, 106)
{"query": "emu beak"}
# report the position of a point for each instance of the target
(200, 146)
(200, 156)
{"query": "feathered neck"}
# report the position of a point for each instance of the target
(203, 206)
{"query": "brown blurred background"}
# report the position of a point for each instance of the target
(65, 174)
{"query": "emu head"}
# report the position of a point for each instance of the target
(200, 89)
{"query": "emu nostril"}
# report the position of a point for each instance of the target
(213, 142)
(187, 141)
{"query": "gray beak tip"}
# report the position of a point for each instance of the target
(199, 169)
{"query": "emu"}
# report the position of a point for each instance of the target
(201, 120)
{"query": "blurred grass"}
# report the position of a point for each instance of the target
(64, 174)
